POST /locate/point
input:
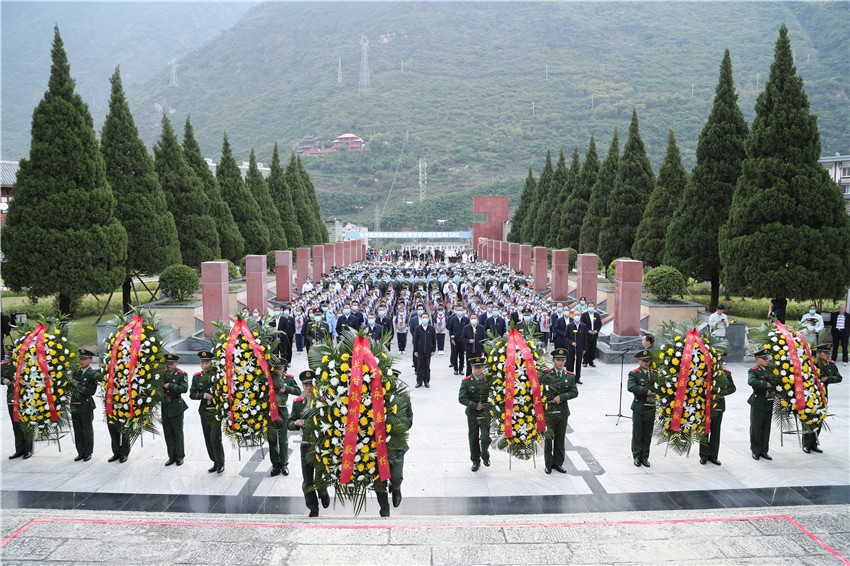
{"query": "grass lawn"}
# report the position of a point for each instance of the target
(83, 332)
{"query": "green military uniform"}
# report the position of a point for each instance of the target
(23, 445)
(565, 389)
(709, 450)
(210, 426)
(474, 390)
(278, 441)
(643, 411)
(761, 408)
(397, 461)
(316, 332)
(828, 373)
(175, 384)
(299, 406)
(83, 386)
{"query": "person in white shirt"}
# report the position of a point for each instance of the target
(718, 322)
(307, 286)
(813, 314)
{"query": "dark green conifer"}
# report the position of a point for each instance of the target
(544, 185)
(515, 234)
(282, 196)
(256, 184)
(557, 196)
(246, 212)
(597, 207)
(575, 207)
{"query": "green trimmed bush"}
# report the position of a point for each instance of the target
(664, 282)
(573, 258)
(612, 269)
(179, 282)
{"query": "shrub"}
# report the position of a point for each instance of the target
(664, 282)
(232, 270)
(612, 269)
(573, 258)
(178, 282)
(270, 261)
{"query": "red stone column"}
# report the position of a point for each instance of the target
(256, 275)
(560, 275)
(363, 248)
(318, 262)
(628, 284)
(302, 266)
(340, 256)
(588, 275)
(504, 252)
(541, 269)
(525, 259)
(495, 251)
(513, 261)
(215, 291)
(346, 252)
(283, 275)
(330, 257)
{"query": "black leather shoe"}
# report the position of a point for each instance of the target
(806, 449)
(645, 463)
(714, 461)
(314, 513)
(113, 458)
(559, 469)
(475, 467)
(703, 461)
(220, 469)
(284, 470)
(755, 456)
(79, 457)
(418, 385)
(427, 386)
(213, 469)
(179, 461)
(591, 364)
(486, 462)
(765, 456)
(579, 382)
(27, 455)
(169, 461)
(818, 450)
(326, 500)
(16, 455)
(548, 469)
(637, 462)
(397, 498)
(87, 457)
(275, 471)
(122, 459)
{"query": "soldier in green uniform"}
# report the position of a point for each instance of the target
(761, 405)
(828, 373)
(397, 467)
(120, 443)
(175, 384)
(201, 390)
(23, 445)
(473, 395)
(643, 408)
(83, 386)
(317, 330)
(278, 442)
(296, 422)
(526, 325)
(564, 390)
(708, 451)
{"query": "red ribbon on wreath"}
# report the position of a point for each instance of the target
(707, 376)
(241, 327)
(799, 391)
(362, 355)
(37, 336)
(682, 381)
(134, 326)
(515, 340)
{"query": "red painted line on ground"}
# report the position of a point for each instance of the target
(416, 527)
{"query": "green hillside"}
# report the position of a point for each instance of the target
(140, 36)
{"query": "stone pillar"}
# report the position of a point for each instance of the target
(504, 252)
(560, 275)
(283, 275)
(302, 267)
(363, 248)
(330, 257)
(215, 290)
(588, 274)
(256, 274)
(628, 284)
(340, 256)
(513, 261)
(346, 253)
(318, 262)
(525, 259)
(541, 269)
(495, 251)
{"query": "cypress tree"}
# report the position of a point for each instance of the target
(556, 197)
(597, 207)
(61, 235)
(663, 202)
(627, 202)
(319, 227)
(562, 215)
(788, 234)
(692, 237)
(152, 243)
(544, 185)
(515, 235)
(256, 184)
(575, 207)
(187, 200)
(301, 203)
(282, 196)
(246, 212)
(229, 239)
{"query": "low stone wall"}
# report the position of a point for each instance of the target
(660, 313)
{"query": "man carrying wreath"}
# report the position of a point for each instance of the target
(83, 386)
(278, 441)
(643, 408)
(296, 422)
(761, 405)
(559, 394)
(827, 373)
(201, 390)
(176, 383)
(23, 445)
(473, 395)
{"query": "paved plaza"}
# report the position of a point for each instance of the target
(792, 510)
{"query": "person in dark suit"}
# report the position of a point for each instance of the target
(496, 324)
(386, 322)
(593, 321)
(456, 325)
(374, 330)
(472, 337)
(840, 332)
(346, 321)
(424, 346)
(559, 330)
(414, 324)
(576, 344)
(286, 334)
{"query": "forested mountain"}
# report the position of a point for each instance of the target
(140, 36)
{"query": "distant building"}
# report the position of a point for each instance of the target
(345, 142)
(349, 142)
(265, 171)
(308, 143)
(838, 167)
(8, 176)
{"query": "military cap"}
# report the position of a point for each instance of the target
(526, 310)
(477, 361)
(762, 353)
(307, 375)
(560, 353)
(281, 365)
(171, 358)
(10, 347)
(205, 356)
(643, 355)
(823, 347)
(86, 353)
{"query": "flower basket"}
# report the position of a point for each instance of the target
(243, 385)
(686, 375)
(518, 397)
(134, 366)
(798, 387)
(357, 420)
(43, 361)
